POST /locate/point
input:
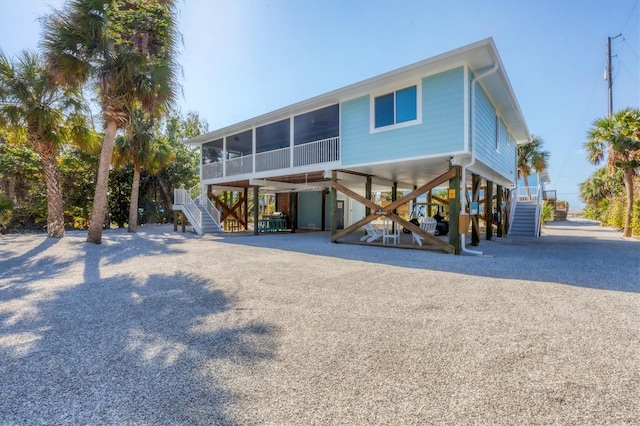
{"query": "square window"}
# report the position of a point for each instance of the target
(406, 100)
(384, 110)
(396, 107)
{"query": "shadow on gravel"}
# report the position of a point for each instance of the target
(591, 262)
(126, 349)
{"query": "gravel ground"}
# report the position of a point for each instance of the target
(168, 328)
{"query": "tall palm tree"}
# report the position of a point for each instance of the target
(140, 146)
(617, 138)
(127, 49)
(36, 110)
(532, 157)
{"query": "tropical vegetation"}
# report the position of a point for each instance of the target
(126, 51)
(36, 110)
(531, 157)
(614, 140)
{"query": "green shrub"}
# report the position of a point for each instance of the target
(546, 213)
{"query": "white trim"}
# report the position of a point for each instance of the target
(393, 89)
(465, 105)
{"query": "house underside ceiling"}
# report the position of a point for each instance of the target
(407, 174)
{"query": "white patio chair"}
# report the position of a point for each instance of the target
(391, 232)
(427, 225)
(372, 233)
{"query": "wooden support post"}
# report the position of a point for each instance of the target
(499, 210)
(367, 195)
(429, 201)
(394, 198)
(488, 210)
(334, 204)
(256, 209)
(246, 209)
(175, 220)
(507, 211)
(293, 211)
(475, 196)
(454, 210)
(184, 221)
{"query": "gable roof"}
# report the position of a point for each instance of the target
(477, 56)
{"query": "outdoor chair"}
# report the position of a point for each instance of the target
(427, 225)
(391, 232)
(372, 233)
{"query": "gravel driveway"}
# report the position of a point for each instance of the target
(164, 328)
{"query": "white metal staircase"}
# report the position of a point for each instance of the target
(199, 210)
(525, 212)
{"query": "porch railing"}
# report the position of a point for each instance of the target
(317, 152)
(273, 160)
(212, 170)
(322, 151)
(239, 165)
(528, 193)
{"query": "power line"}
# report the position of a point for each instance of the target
(629, 16)
(631, 48)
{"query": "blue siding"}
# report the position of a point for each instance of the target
(501, 159)
(441, 130)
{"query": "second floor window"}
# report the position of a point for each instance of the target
(396, 107)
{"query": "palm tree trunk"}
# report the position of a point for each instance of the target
(628, 186)
(55, 210)
(133, 205)
(102, 184)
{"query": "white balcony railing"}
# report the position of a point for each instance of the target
(322, 151)
(317, 152)
(273, 160)
(239, 165)
(212, 170)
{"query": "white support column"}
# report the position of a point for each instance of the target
(224, 156)
(291, 142)
(253, 150)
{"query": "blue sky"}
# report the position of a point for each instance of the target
(244, 58)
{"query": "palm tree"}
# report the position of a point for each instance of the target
(36, 110)
(618, 139)
(127, 50)
(531, 157)
(600, 185)
(140, 146)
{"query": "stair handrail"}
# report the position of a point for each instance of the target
(538, 207)
(183, 198)
(210, 208)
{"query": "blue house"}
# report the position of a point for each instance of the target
(448, 122)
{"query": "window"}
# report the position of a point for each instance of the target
(273, 136)
(396, 107)
(317, 125)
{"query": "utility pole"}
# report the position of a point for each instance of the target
(609, 77)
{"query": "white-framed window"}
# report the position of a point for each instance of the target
(396, 108)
